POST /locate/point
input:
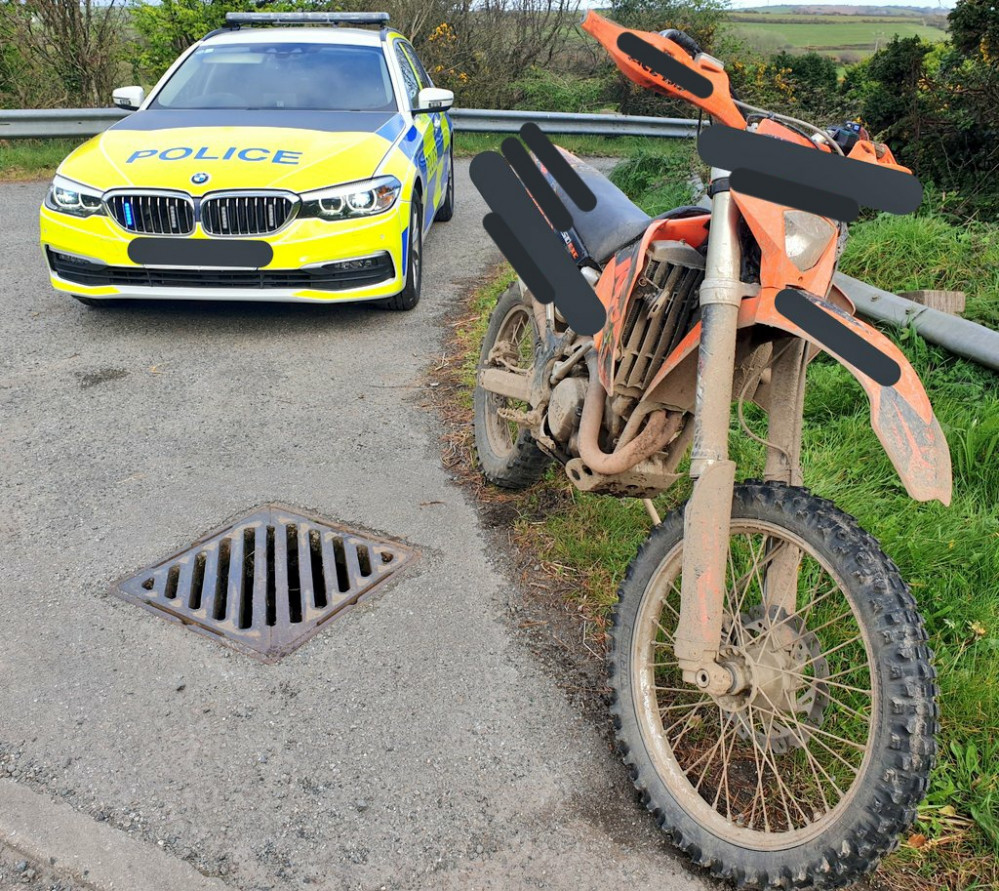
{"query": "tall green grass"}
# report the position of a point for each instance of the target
(913, 252)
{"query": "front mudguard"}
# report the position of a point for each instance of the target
(901, 414)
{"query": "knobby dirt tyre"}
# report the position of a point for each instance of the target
(799, 833)
(508, 456)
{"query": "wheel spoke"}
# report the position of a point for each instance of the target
(723, 727)
(685, 705)
(781, 786)
(804, 745)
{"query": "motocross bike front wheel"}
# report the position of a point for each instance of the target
(807, 776)
(508, 455)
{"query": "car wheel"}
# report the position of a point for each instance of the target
(446, 210)
(98, 302)
(409, 296)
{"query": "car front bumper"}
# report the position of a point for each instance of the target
(314, 261)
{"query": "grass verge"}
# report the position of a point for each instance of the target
(950, 556)
(23, 160)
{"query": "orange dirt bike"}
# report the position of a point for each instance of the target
(773, 693)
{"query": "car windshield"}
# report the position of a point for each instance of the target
(300, 76)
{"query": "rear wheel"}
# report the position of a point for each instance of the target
(508, 455)
(409, 296)
(806, 777)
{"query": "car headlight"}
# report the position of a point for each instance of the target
(360, 199)
(74, 198)
(806, 237)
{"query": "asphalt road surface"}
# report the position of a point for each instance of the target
(415, 743)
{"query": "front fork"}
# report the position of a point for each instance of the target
(709, 511)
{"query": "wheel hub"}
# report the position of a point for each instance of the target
(768, 657)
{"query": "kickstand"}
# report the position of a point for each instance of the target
(653, 513)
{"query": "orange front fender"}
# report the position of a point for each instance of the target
(901, 414)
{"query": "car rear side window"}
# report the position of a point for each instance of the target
(300, 76)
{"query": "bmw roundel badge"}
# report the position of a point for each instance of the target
(200, 178)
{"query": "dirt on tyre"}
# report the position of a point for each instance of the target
(806, 777)
(409, 296)
(508, 454)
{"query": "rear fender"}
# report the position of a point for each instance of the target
(901, 414)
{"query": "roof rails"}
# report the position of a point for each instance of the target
(235, 19)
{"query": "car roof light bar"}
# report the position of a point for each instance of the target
(235, 19)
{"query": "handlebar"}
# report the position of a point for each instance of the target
(683, 40)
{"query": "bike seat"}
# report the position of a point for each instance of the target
(613, 223)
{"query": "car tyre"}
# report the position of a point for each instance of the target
(446, 210)
(409, 296)
(96, 302)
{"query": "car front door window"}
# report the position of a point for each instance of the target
(408, 76)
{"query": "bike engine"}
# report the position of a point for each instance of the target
(564, 409)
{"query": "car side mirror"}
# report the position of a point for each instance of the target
(129, 98)
(433, 99)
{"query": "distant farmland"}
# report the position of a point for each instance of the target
(846, 37)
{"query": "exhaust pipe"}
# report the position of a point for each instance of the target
(661, 428)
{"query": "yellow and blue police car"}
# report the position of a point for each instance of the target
(277, 164)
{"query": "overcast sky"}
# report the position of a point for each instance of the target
(743, 4)
(926, 4)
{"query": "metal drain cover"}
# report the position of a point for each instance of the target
(268, 582)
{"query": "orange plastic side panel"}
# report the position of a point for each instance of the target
(865, 150)
(719, 104)
(618, 278)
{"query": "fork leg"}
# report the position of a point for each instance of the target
(708, 515)
(787, 400)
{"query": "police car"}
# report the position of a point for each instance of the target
(299, 164)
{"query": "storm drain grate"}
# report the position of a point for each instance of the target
(268, 582)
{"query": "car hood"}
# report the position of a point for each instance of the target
(203, 150)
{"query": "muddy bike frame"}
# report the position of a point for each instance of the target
(744, 346)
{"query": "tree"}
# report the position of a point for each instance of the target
(169, 27)
(974, 29)
(897, 105)
(699, 18)
(60, 51)
(809, 71)
(939, 112)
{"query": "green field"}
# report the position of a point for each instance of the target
(830, 35)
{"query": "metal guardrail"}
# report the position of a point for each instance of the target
(485, 120)
(57, 122)
(959, 336)
(67, 122)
